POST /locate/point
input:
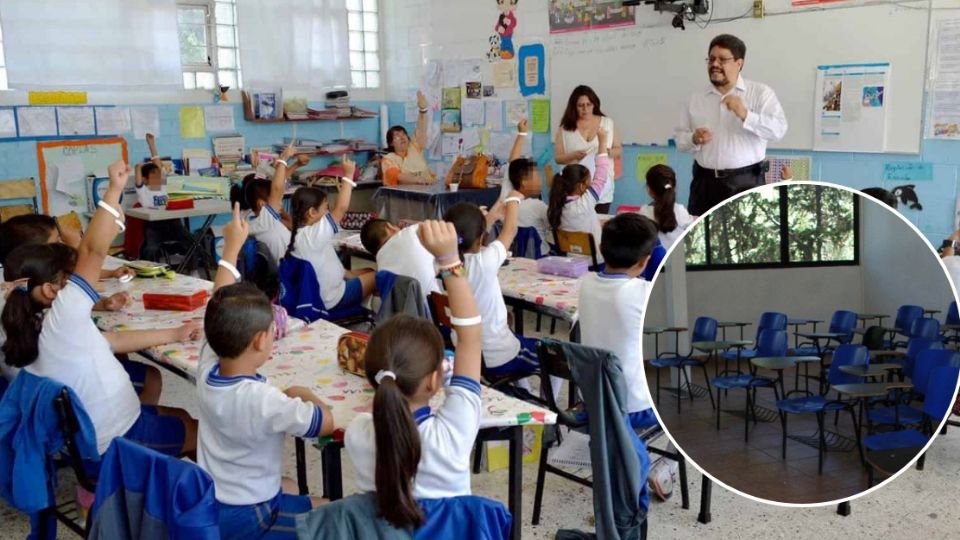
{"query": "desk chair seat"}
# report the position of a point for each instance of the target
(769, 343)
(842, 322)
(704, 329)
(903, 414)
(770, 320)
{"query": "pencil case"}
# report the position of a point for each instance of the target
(350, 352)
(572, 267)
(175, 301)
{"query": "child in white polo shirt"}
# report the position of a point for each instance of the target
(404, 450)
(400, 251)
(243, 419)
(610, 309)
(525, 178)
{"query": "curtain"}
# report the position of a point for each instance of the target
(293, 44)
(107, 44)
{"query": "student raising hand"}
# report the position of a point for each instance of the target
(235, 233)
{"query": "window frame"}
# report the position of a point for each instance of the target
(213, 45)
(350, 51)
(3, 65)
(784, 242)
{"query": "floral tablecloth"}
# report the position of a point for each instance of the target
(520, 279)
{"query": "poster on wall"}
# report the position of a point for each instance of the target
(531, 61)
(578, 16)
(853, 101)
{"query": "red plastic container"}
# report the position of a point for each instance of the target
(187, 301)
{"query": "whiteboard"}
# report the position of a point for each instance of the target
(644, 75)
(92, 155)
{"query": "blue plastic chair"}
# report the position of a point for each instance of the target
(842, 322)
(952, 318)
(941, 385)
(902, 414)
(925, 328)
(844, 355)
(770, 320)
(467, 517)
(704, 329)
(300, 295)
(903, 322)
(656, 260)
(527, 243)
(914, 347)
(769, 343)
(145, 494)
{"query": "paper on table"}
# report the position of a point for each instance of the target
(76, 121)
(540, 115)
(516, 111)
(145, 120)
(191, 123)
(219, 118)
(493, 114)
(112, 120)
(69, 170)
(471, 139)
(451, 144)
(471, 112)
(8, 124)
(505, 74)
(37, 121)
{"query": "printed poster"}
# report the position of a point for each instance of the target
(578, 16)
(853, 101)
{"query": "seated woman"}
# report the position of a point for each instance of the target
(405, 164)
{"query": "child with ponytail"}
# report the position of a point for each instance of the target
(314, 227)
(575, 192)
(671, 217)
(64, 344)
(405, 451)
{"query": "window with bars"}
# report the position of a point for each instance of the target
(799, 225)
(209, 52)
(363, 25)
(3, 66)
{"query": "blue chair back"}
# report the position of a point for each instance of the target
(656, 259)
(914, 347)
(927, 361)
(847, 355)
(953, 315)
(705, 329)
(843, 322)
(3, 387)
(771, 320)
(300, 293)
(527, 243)
(772, 343)
(925, 327)
(906, 314)
(466, 517)
(942, 385)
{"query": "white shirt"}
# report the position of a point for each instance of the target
(573, 141)
(243, 423)
(404, 255)
(446, 438)
(150, 198)
(500, 344)
(75, 353)
(269, 229)
(533, 213)
(610, 309)
(314, 244)
(684, 219)
(735, 143)
(580, 215)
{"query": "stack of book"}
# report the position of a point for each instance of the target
(322, 114)
(302, 146)
(229, 152)
(339, 100)
(357, 112)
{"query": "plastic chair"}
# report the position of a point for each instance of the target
(902, 414)
(467, 517)
(844, 355)
(903, 323)
(577, 243)
(940, 388)
(769, 343)
(842, 321)
(952, 319)
(300, 296)
(925, 328)
(704, 329)
(527, 243)
(770, 320)
(656, 260)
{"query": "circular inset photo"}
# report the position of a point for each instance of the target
(800, 343)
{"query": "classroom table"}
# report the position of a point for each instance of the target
(655, 331)
(209, 209)
(864, 317)
(860, 392)
(712, 348)
(524, 287)
(871, 371)
(797, 323)
(818, 338)
(427, 202)
(780, 363)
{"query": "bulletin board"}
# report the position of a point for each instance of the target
(64, 166)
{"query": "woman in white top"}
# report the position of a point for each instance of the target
(576, 142)
(671, 218)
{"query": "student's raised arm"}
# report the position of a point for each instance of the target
(602, 170)
(104, 226)
(511, 217)
(154, 155)
(420, 134)
(346, 189)
(279, 182)
(522, 134)
(440, 239)
(234, 235)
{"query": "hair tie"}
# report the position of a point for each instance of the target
(667, 186)
(383, 373)
(459, 240)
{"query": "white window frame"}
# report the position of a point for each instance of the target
(213, 47)
(354, 68)
(4, 84)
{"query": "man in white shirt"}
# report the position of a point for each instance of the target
(727, 127)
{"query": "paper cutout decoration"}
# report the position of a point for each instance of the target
(645, 162)
(506, 24)
(57, 97)
(531, 61)
(907, 171)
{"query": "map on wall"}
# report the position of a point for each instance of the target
(577, 15)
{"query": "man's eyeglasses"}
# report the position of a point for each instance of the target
(722, 61)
